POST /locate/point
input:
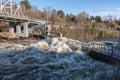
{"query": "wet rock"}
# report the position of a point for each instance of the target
(43, 45)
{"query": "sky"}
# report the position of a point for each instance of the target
(93, 7)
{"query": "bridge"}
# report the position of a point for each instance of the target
(11, 11)
(105, 51)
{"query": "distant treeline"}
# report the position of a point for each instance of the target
(80, 26)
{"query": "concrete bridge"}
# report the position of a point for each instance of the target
(11, 12)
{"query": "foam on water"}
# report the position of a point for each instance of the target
(52, 59)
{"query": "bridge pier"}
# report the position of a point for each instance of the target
(18, 30)
(26, 31)
(12, 12)
(11, 30)
(21, 30)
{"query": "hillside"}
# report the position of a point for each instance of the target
(81, 26)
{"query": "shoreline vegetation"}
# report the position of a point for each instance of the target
(81, 26)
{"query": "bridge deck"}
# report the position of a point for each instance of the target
(9, 18)
(102, 50)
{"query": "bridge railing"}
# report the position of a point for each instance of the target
(109, 48)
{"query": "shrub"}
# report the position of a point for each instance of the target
(62, 30)
(102, 34)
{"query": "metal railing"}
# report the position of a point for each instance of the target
(108, 48)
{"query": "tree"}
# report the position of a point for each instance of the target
(68, 18)
(53, 16)
(112, 25)
(87, 30)
(117, 21)
(94, 28)
(98, 19)
(92, 18)
(82, 18)
(102, 34)
(60, 13)
(110, 18)
(26, 3)
(34, 8)
(63, 31)
(47, 12)
(73, 18)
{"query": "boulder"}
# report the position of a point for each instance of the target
(8, 35)
(43, 45)
(59, 46)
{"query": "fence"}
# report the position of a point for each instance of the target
(109, 48)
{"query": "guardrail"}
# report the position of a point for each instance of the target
(112, 49)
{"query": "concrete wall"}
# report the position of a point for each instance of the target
(19, 31)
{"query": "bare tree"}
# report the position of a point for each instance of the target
(48, 11)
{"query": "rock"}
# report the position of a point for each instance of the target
(60, 43)
(79, 51)
(67, 48)
(59, 46)
(48, 40)
(60, 50)
(55, 41)
(43, 45)
(12, 36)
(8, 35)
(64, 39)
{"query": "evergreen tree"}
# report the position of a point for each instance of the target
(98, 19)
(60, 13)
(87, 30)
(92, 18)
(26, 3)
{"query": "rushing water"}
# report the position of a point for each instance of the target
(32, 63)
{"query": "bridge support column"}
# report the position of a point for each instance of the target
(11, 30)
(18, 30)
(22, 30)
(26, 31)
